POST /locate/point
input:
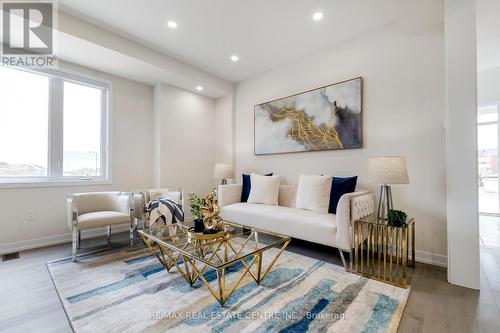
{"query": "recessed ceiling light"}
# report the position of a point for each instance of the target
(172, 24)
(199, 88)
(234, 58)
(318, 16)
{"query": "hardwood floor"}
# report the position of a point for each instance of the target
(29, 302)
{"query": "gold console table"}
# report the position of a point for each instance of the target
(381, 252)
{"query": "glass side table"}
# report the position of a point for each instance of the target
(381, 252)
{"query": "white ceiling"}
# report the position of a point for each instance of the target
(488, 34)
(264, 33)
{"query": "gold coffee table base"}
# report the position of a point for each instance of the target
(192, 258)
(386, 254)
(198, 239)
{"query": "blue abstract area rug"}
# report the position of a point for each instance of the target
(129, 291)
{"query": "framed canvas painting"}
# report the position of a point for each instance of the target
(325, 118)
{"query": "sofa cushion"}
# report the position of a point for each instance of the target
(101, 219)
(340, 186)
(247, 185)
(313, 193)
(297, 223)
(265, 189)
(287, 196)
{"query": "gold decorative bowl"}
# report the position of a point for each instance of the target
(206, 237)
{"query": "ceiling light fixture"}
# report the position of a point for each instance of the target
(172, 24)
(199, 88)
(317, 16)
(234, 58)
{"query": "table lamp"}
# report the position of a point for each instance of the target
(387, 170)
(223, 171)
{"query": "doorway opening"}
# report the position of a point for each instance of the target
(488, 185)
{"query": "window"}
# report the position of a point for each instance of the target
(487, 141)
(24, 124)
(82, 130)
(53, 128)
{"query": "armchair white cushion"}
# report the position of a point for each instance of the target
(98, 209)
(99, 219)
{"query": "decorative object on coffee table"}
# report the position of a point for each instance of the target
(223, 171)
(387, 170)
(210, 212)
(195, 203)
(386, 255)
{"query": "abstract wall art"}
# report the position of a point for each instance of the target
(325, 118)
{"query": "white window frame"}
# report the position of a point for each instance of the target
(55, 134)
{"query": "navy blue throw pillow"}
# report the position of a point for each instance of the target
(245, 192)
(340, 186)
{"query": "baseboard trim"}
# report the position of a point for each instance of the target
(420, 256)
(63, 238)
(431, 258)
(57, 239)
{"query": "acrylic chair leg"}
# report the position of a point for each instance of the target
(131, 233)
(74, 244)
(108, 234)
(351, 260)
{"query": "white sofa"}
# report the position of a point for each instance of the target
(327, 229)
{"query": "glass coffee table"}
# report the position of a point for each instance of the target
(193, 253)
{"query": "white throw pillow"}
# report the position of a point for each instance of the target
(264, 190)
(313, 193)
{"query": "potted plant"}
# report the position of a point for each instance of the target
(396, 218)
(195, 202)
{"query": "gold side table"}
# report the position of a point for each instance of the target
(381, 252)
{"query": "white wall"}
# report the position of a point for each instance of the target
(132, 158)
(403, 114)
(224, 129)
(186, 125)
(488, 86)
(461, 143)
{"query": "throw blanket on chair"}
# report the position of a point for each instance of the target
(164, 211)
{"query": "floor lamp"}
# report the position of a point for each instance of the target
(387, 170)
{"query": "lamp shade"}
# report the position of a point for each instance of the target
(387, 170)
(223, 170)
